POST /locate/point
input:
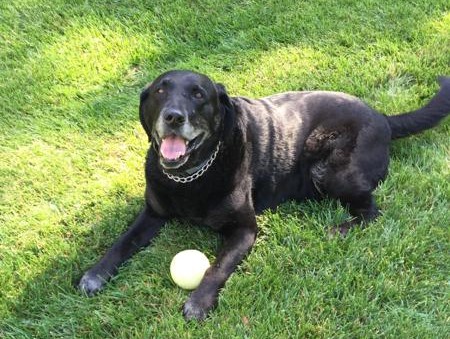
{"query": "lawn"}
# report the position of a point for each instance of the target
(72, 152)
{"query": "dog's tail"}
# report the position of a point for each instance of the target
(424, 118)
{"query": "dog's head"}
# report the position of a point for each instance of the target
(185, 115)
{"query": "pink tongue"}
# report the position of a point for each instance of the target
(173, 147)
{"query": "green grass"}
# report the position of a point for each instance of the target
(72, 152)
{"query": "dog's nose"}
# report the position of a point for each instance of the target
(173, 118)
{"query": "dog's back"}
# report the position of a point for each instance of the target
(298, 141)
(273, 132)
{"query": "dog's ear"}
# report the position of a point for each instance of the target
(145, 123)
(227, 111)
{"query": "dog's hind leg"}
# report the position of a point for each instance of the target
(351, 170)
(351, 186)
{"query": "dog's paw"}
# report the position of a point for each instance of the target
(197, 308)
(90, 284)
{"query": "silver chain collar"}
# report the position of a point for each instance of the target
(198, 173)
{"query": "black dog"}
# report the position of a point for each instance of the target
(219, 161)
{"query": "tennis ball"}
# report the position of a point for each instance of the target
(188, 268)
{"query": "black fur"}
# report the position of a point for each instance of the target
(295, 145)
(143, 98)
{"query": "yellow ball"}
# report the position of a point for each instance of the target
(188, 268)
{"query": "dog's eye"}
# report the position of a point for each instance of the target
(159, 91)
(198, 95)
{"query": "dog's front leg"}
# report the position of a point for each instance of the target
(238, 239)
(143, 230)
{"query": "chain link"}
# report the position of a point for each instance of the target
(199, 173)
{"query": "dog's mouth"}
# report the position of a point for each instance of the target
(174, 150)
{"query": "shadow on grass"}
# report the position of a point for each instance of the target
(178, 36)
(52, 305)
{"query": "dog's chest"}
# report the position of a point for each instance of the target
(192, 201)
